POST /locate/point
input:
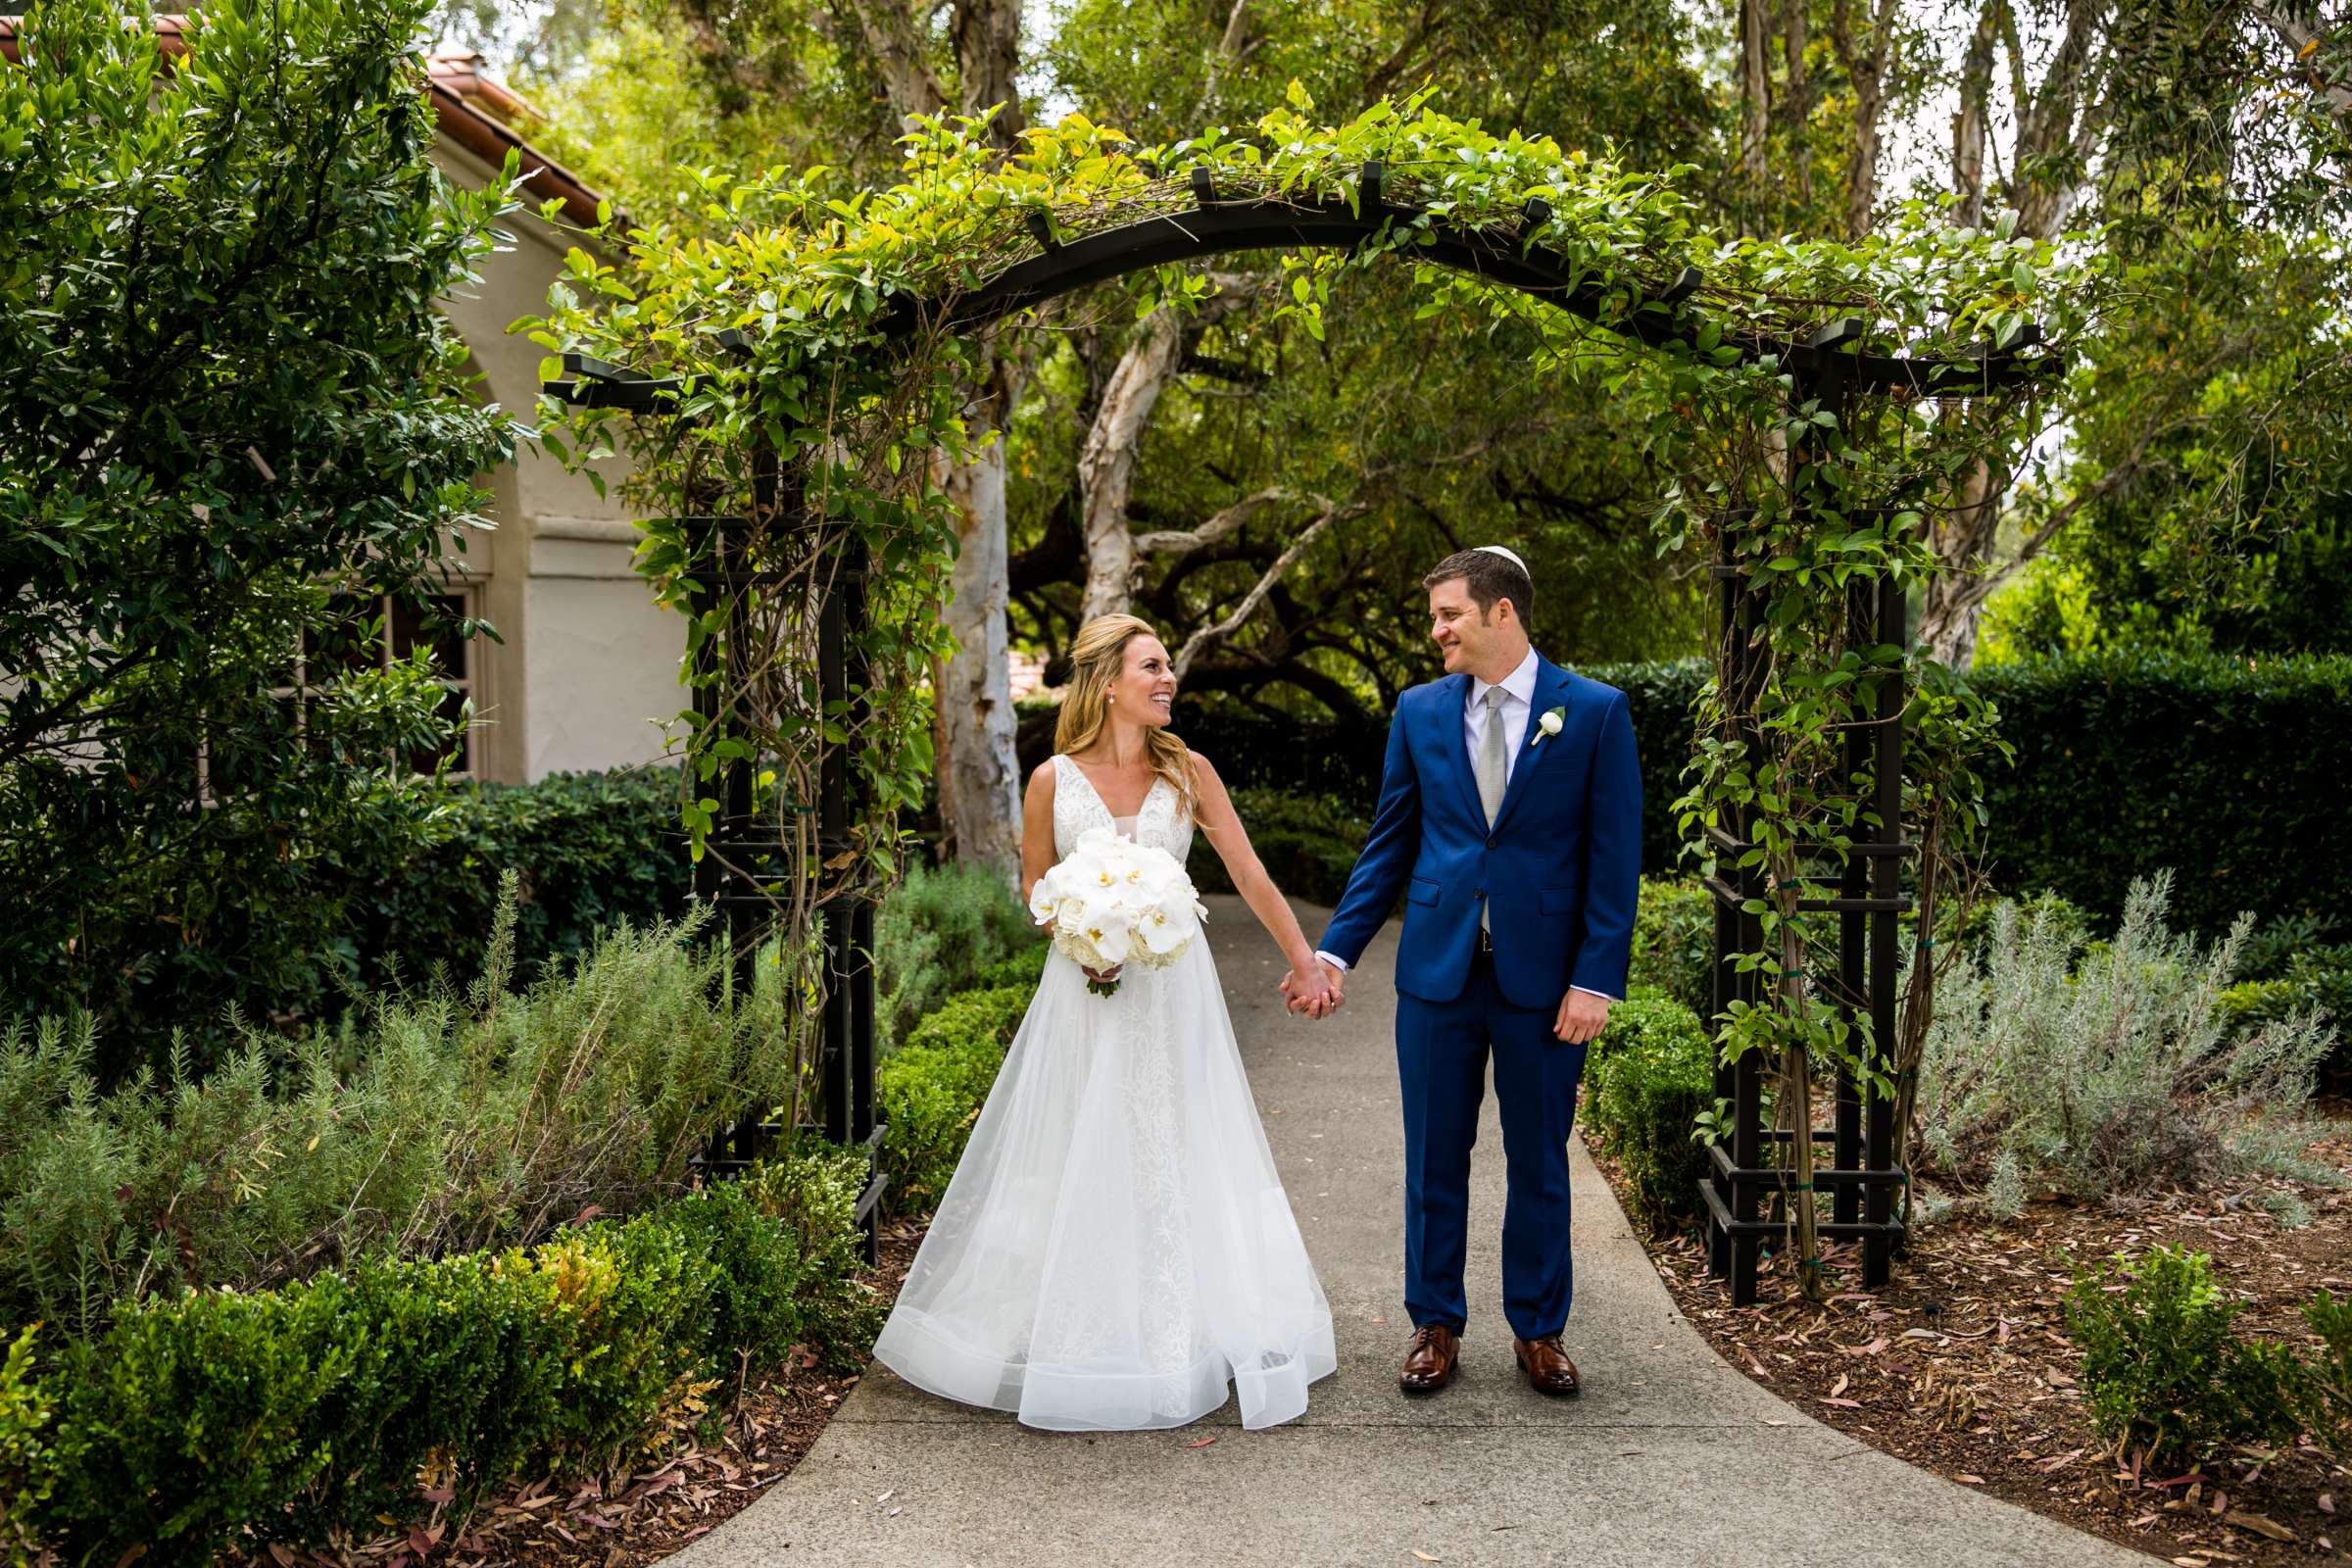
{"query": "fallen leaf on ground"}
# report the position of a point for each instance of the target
(1203, 1443)
(1968, 1478)
(1425, 1557)
(2259, 1523)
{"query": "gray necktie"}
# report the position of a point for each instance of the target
(1491, 767)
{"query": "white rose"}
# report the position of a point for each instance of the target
(1549, 723)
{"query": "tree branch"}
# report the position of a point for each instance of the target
(1176, 541)
(1256, 596)
(2322, 70)
(1229, 49)
(1400, 59)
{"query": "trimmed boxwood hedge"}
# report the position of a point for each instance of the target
(2225, 769)
(1331, 771)
(930, 1092)
(1646, 1079)
(592, 849)
(307, 1413)
(1307, 844)
(2230, 771)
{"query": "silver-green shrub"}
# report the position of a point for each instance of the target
(2057, 1063)
(934, 934)
(430, 1124)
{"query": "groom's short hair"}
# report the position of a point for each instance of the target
(1489, 577)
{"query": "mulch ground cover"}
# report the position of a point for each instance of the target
(631, 1518)
(1962, 1363)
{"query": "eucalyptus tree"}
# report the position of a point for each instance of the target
(1393, 440)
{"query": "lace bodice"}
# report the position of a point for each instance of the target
(1160, 823)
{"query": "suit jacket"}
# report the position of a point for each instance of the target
(1559, 868)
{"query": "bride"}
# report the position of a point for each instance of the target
(1115, 1248)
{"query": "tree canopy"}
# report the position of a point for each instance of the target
(235, 432)
(2189, 143)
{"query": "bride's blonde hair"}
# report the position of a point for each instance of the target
(1098, 656)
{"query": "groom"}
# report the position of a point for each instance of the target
(1511, 819)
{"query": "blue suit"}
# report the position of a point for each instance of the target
(1558, 870)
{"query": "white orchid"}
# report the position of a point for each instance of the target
(1107, 936)
(1114, 901)
(1167, 931)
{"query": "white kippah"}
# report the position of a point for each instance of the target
(1509, 556)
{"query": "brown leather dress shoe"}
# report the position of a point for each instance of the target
(1547, 1367)
(1429, 1365)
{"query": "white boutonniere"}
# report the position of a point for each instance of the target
(1549, 723)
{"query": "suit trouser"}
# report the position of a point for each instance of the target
(1442, 1053)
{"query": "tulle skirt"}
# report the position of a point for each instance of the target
(1116, 1251)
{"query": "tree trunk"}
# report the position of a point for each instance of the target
(1862, 157)
(1106, 463)
(977, 769)
(2044, 183)
(988, 55)
(1115, 435)
(2055, 128)
(891, 36)
(1969, 124)
(1864, 63)
(978, 772)
(1229, 50)
(1962, 542)
(1755, 95)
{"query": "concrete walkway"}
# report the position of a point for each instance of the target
(1669, 1458)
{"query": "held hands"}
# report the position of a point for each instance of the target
(1582, 1016)
(1315, 992)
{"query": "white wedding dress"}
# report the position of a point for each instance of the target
(1115, 1248)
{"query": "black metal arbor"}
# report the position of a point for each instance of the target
(1827, 365)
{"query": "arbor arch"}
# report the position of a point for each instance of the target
(787, 372)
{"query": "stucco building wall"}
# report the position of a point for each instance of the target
(589, 665)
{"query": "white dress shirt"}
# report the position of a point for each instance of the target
(1518, 705)
(1518, 701)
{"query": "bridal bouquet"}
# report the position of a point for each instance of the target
(1116, 901)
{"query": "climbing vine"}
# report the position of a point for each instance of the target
(819, 330)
